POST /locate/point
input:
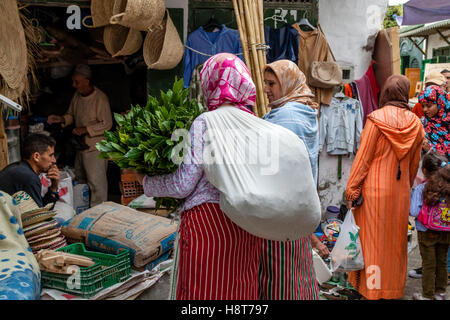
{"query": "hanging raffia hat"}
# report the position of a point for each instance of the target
(121, 41)
(101, 12)
(163, 48)
(27, 206)
(138, 14)
(13, 46)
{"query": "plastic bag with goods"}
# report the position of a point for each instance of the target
(347, 253)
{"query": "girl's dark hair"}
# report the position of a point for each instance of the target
(432, 161)
(438, 185)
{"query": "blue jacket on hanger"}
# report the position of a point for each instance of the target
(209, 43)
(283, 43)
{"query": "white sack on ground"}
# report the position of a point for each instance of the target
(263, 173)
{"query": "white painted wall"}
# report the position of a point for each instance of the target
(436, 41)
(349, 26)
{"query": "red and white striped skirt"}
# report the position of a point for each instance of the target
(287, 271)
(214, 258)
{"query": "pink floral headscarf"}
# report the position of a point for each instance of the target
(225, 78)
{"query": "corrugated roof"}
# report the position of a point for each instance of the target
(424, 30)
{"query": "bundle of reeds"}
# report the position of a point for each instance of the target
(250, 20)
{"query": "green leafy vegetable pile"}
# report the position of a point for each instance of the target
(142, 140)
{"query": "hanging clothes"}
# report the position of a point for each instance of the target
(341, 126)
(348, 90)
(283, 43)
(209, 44)
(373, 83)
(195, 87)
(366, 95)
(354, 88)
(307, 40)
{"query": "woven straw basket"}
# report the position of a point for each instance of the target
(163, 48)
(138, 14)
(13, 46)
(121, 41)
(101, 12)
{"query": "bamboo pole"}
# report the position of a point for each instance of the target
(249, 18)
(263, 40)
(244, 30)
(251, 30)
(241, 34)
(247, 44)
(255, 9)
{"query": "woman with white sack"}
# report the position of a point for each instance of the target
(245, 189)
(215, 258)
(289, 265)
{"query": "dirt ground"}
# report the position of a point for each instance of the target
(160, 291)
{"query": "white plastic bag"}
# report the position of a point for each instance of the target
(323, 273)
(347, 253)
(263, 173)
(64, 211)
(143, 202)
(65, 189)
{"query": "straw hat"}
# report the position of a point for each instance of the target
(39, 228)
(40, 239)
(121, 41)
(45, 235)
(27, 206)
(138, 14)
(48, 244)
(163, 48)
(38, 217)
(58, 245)
(435, 77)
(13, 46)
(101, 12)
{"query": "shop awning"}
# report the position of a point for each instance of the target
(425, 11)
(424, 30)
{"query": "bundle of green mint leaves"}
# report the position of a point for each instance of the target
(142, 140)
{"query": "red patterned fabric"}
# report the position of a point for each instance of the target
(216, 259)
(287, 271)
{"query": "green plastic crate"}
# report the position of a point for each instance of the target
(108, 270)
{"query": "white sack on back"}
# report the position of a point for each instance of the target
(263, 173)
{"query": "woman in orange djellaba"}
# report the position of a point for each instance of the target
(383, 173)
